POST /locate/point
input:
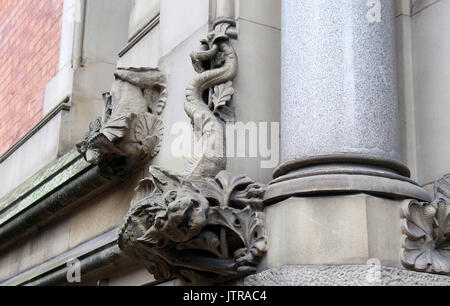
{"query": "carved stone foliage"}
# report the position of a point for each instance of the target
(202, 231)
(130, 131)
(426, 232)
(205, 225)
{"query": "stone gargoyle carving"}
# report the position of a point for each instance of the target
(130, 131)
(202, 232)
(205, 225)
(426, 232)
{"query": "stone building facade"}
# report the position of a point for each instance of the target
(257, 142)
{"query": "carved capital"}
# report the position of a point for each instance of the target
(426, 232)
(130, 131)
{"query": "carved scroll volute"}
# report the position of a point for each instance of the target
(426, 232)
(206, 225)
(130, 131)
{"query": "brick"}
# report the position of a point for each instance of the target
(30, 34)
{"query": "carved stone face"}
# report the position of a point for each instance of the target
(177, 215)
(186, 214)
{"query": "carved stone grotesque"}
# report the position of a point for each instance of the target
(199, 231)
(426, 232)
(204, 225)
(130, 131)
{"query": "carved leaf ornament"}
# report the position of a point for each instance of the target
(426, 232)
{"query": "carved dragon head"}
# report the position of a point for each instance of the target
(189, 228)
(173, 211)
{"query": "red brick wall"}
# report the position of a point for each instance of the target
(30, 32)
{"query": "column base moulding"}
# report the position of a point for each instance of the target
(343, 174)
(333, 184)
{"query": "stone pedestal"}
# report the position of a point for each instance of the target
(340, 118)
(348, 229)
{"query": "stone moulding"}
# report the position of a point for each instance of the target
(426, 232)
(54, 189)
(97, 254)
(205, 225)
(130, 131)
(342, 172)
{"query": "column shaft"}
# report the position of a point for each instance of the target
(340, 114)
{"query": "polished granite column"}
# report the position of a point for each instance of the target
(340, 118)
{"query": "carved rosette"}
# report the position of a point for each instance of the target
(426, 232)
(130, 131)
(205, 225)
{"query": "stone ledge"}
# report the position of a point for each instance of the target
(342, 275)
(64, 183)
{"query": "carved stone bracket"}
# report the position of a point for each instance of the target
(202, 232)
(426, 232)
(130, 131)
(206, 225)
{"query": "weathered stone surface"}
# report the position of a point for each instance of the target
(348, 275)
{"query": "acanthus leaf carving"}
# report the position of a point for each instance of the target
(220, 99)
(426, 232)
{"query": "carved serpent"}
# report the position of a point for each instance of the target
(215, 51)
(205, 225)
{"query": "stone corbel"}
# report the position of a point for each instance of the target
(205, 225)
(426, 232)
(201, 232)
(130, 131)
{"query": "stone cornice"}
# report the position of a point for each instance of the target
(60, 185)
(96, 253)
(139, 35)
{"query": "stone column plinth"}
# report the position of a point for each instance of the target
(340, 118)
